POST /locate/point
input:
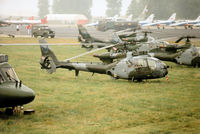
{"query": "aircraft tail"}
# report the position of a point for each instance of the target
(150, 18)
(172, 17)
(44, 20)
(143, 14)
(130, 17)
(116, 39)
(31, 18)
(115, 17)
(48, 60)
(145, 10)
(198, 19)
(84, 36)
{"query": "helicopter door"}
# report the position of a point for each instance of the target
(121, 70)
(142, 69)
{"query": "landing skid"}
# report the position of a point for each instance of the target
(18, 110)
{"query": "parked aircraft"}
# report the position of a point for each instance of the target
(187, 23)
(3, 23)
(186, 54)
(129, 36)
(114, 18)
(12, 92)
(129, 18)
(147, 21)
(197, 25)
(29, 21)
(162, 22)
(117, 24)
(130, 68)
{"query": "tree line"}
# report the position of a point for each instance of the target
(185, 9)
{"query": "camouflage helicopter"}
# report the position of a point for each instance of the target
(89, 42)
(105, 25)
(85, 37)
(130, 68)
(186, 54)
(129, 36)
(12, 92)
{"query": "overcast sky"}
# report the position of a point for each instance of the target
(29, 7)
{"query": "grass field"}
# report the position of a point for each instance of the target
(66, 104)
(7, 40)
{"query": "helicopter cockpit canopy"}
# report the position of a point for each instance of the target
(7, 73)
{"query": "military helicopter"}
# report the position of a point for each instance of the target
(130, 68)
(186, 54)
(85, 37)
(128, 36)
(12, 92)
(117, 25)
(89, 42)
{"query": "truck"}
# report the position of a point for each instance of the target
(43, 31)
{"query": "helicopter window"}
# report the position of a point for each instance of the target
(142, 63)
(152, 64)
(1, 79)
(10, 73)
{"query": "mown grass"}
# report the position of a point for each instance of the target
(7, 40)
(98, 105)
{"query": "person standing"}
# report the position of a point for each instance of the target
(17, 29)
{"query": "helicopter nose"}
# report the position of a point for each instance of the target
(166, 72)
(196, 62)
(28, 94)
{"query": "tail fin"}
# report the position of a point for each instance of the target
(150, 18)
(44, 20)
(115, 17)
(142, 15)
(116, 39)
(84, 36)
(48, 60)
(198, 19)
(172, 17)
(145, 10)
(130, 17)
(31, 18)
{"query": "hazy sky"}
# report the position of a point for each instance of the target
(99, 7)
(29, 7)
(18, 7)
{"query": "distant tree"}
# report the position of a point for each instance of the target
(72, 7)
(162, 9)
(113, 7)
(185, 9)
(136, 7)
(43, 6)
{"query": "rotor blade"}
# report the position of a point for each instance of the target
(90, 52)
(179, 40)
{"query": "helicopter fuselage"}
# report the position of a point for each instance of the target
(12, 92)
